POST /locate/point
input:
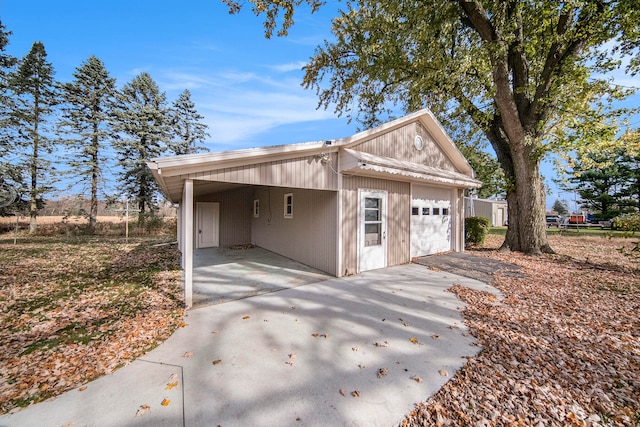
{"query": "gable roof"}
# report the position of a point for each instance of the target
(164, 168)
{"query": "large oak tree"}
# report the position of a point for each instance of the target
(518, 71)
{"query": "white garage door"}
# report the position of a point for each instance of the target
(430, 220)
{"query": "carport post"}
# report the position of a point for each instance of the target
(187, 247)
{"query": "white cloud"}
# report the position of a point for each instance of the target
(291, 66)
(241, 107)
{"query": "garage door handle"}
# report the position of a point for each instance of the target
(199, 231)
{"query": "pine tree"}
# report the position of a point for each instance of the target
(142, 117)
(186, 126)
(9, 173)
(87, 115)
(35, 96)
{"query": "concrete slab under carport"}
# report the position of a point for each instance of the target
(223, 274)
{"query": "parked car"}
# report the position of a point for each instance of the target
(553, 221)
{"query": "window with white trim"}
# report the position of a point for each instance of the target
(288, 205)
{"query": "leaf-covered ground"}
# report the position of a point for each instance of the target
(561, 349)
(74, 308)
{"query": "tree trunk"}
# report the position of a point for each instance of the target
(33, 208)
(95, 176)
(527, 230)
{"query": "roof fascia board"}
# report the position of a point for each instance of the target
(173, 166)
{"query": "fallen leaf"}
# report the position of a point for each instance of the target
(361, 366)
(343, 392)
(382, 372)
(315, 335)
(414, 340)
(385, 344)
(289, 362)
(355, 393)
(171, 385)
(165, 402)
(416, 379)
(246, 317)
(355, 348)
(265, 320)
(435, 336)
(215, 331)
(143, 410)
(292, 356)
(217, 362)
(188, 354)
(173, 376)
(443, 373)
(182, 325)
(83, 388)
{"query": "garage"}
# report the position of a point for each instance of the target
(431, 223)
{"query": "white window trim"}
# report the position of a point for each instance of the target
(286, 214)
(256, 208)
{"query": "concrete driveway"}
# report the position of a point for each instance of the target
(355, 351)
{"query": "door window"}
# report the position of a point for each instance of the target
(372, 221)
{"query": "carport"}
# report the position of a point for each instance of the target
(223, 274)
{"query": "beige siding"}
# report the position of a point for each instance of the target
(398, 232)
(309, 237)
(306, 172)
(235, 215)
(398, 144)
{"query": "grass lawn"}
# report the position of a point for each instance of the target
(75, 308)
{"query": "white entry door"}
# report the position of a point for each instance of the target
(372, 230)
(207, 224)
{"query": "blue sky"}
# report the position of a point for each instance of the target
(247, 87)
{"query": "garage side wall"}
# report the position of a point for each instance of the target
(309, 236)
(235, 215)
(399, 205)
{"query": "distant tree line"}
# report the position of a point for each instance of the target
(88, 119)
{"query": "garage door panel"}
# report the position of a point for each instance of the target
(430, 221)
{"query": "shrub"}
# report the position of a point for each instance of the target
(629, 222)
(476, 229)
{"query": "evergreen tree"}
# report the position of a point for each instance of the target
(87, 114)
(607, 182)
(561, 207)
(9, 173)
(186, 125)
(35, 96)
(142, 118)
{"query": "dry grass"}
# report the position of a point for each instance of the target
(75, 308)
